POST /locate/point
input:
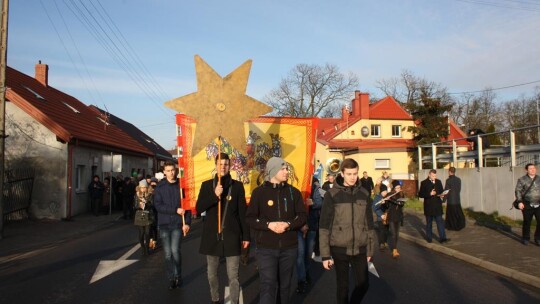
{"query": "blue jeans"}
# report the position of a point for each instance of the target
(305, 250)
(275, 265)
(170, 239)
(440, 227)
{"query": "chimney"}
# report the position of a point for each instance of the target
(361, 105)
(345, 113)
(42, 73)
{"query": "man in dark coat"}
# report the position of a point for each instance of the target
(96, 188)
(455, 219)
(367, 183)
(430, 190)
(234, 231)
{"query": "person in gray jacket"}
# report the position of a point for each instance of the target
(528, 201)
(346, 235)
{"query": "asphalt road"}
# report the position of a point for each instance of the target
(62, 274)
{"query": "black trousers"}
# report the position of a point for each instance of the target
(359, 267)
(528, 214)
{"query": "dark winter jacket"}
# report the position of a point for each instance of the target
(315, 209)
(167, 201)
(432, 203)
(233, 219)
(96, 189)
(272, 203)
(346, 220)
(395, 207)
(533, 196)
(453, 183)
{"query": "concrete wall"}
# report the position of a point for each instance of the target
(32, 145)
(485, 190)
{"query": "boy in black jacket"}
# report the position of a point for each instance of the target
(276, 212)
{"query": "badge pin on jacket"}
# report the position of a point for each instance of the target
(270, 203)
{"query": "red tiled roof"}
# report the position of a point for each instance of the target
(455, 133)
(57, 111)
(388, 108)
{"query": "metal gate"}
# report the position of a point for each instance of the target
(18, 193)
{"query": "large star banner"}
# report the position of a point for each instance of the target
(220, 106)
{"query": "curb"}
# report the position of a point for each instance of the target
(505, 271)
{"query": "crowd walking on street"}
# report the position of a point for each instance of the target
(339, 224)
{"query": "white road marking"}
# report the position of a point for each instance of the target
(106, 268)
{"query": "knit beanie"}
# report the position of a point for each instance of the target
(273, 165)
(143, 183)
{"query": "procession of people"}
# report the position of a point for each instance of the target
(338, 225)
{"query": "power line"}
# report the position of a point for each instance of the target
(501, 5)
(495, 89)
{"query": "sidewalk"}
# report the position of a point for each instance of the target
(496, 250)
(27, 237)
(491, 248)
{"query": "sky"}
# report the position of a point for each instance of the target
(131, 56)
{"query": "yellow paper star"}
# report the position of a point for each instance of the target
(220, 106)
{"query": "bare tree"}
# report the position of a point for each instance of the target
(409, 88)
(312, 90)
(478, 111)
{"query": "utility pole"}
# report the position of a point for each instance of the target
(3, 61)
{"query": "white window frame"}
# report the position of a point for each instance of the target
(378, 128)
(398, 128)
(382, 163)
(79, 179)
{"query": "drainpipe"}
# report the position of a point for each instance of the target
(69, 181)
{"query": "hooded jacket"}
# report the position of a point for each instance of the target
(346, 220)
(272, 203)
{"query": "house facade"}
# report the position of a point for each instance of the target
(375, 135)
(66, 143)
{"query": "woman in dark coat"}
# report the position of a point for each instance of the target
(455, 219)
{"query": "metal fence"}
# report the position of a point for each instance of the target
(512, 148)
(18, 187)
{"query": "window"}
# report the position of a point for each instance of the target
(396, 131)
(178, 130)
(375, 130)
(79, 179)
(71, 107)
(382, 164)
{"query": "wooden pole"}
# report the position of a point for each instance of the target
(218, 167)
(3, 62)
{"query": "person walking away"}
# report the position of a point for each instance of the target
(234, 234)
(528, 201)
(307, 237)
(95, 188)
(394, 215)
(347, 238)
(276, 212)
(455, 219)
(431, 190)
(144, 215)
(171, 227)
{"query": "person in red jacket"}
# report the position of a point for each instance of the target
(276, 212)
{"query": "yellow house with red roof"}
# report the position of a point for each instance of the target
(375, 135)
